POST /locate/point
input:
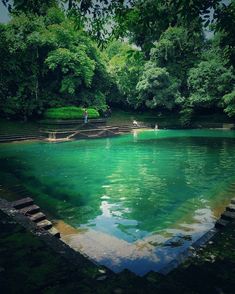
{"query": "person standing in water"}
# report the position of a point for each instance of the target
(85, 116)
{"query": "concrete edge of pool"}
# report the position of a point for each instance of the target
(53, 242)
(97, 132)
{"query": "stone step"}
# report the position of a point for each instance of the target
(32, 209)
(37, 217)
(18, 189)
(233, 201)
(44, 224)
(22, 193)
(231, 207)
(124, 131)
(53, 231)
(18, 204)
(228, 215)
(20, 135)
(221, 223)
(17, 139)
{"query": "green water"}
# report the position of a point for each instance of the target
(133, 186)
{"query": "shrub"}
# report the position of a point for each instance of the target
(69, 112)
(229, 103)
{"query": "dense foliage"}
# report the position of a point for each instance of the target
(135, 54)
(125, 65)
(47, 62)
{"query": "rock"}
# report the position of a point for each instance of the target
(102, 271)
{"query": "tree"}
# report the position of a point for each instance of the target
(225, 26)
(20, 67)
(229, 103)
(144, 22)
(125, 64)
(208, 82)
(177, 52)
(157, 88)
(47, 62)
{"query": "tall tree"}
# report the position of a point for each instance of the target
(225, 25)
(178, 51)
(47, 62)
(156, 88)
(125, 64)
(209, 81)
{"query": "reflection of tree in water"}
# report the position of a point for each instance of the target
(182, 171)
(148, 184)
(54, 196)
(205, 157)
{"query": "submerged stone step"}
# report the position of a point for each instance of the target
(228, 215)
(20, 191)
(17, 139)
(37, 217)
(44, 224)
(32, 209)
(18, 204)
(231, 207)
(53, 231)
(221, 223)
(93, 136)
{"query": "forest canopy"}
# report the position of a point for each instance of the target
(135, 54)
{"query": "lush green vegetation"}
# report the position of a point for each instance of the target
(70, 112)
(136, 55)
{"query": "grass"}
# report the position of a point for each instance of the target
(69, 112)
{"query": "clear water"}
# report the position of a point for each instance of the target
(151, 189)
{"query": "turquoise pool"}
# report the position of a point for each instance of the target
(134, 201)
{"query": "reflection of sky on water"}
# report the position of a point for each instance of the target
(150, 253)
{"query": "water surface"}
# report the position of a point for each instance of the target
(137, 200)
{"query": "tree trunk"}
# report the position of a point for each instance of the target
(70, 4)
(36, 78)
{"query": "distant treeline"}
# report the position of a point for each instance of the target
(136, 54)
